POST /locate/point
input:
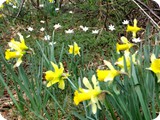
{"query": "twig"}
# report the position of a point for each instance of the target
(154, 23)
(20, 9)
(148, 9)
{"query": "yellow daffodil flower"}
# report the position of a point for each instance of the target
(16, 54)
(56, 76)
(51, 1)
(7, 1)
(91, 93)
(155, 66)
(18, 45)
(17, 50)
(74, 49)
(134, 29)
(120, 61)
(125, 46)
(107, 75)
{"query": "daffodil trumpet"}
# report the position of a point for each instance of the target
(107, 74)
(125, 46)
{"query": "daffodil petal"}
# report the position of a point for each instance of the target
(153, 57)
(19, 61)
(94, 99)
(61, 84)
(135, 22)
(94, 81)
(94, 108)
(86, 83)
(108, 64)
(124, 39)
(54, 66)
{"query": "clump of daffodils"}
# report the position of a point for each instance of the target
(91, 93)
(74, 49)
(17, 50)
(56, 76)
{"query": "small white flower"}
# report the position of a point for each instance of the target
(30, 29)
(111, 27)
(125, 22)
(14, 6)
(56, 9)
(42, 21)
(28, 36)
(136, 40)
(83, 28)
(47, 37)
(42, 29)
(95, 31)
(41, 5)
(69, 31)
(56, 26)
(51, 43)
(71, 12)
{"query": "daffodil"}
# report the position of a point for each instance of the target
(91, 93)
(17, 50)
(107, 75)
(56, 76)
(7, 1)
(18, 45)
(74, 49)
(134, 29)
(16, 54)
(125, 46)
(155, 66)
(128, 58)
(51, 1)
